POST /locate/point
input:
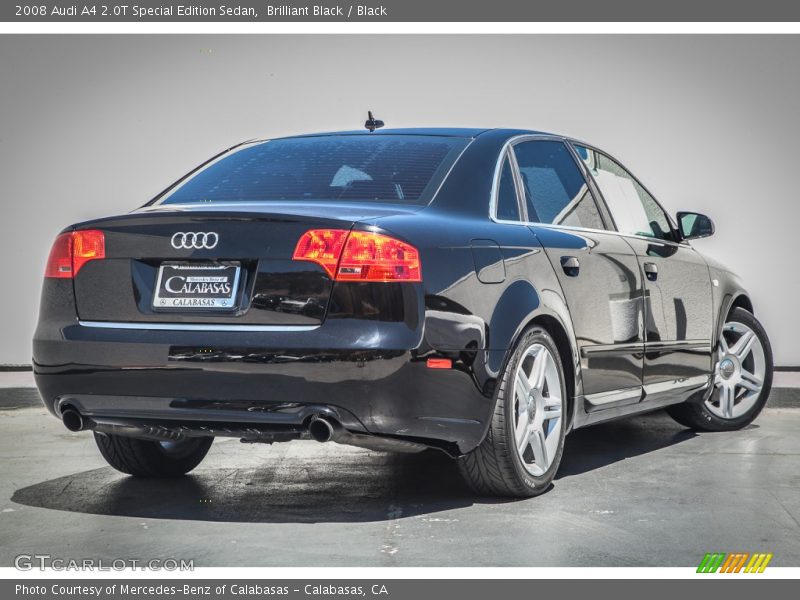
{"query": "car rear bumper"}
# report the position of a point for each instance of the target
(370, 377)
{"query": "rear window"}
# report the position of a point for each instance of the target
(380, 168)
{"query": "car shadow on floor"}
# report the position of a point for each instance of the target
(334, 487)
(601, 445)
(339, 487)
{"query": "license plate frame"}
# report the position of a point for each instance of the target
(203, 293)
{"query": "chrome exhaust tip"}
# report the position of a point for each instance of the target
(321, 429)
(72, 420)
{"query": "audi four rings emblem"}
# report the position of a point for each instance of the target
(195, 240)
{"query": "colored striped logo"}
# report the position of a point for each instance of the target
(738, 562)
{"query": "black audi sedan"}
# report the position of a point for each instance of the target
(479, 292)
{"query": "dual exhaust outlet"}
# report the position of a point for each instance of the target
(320, 428)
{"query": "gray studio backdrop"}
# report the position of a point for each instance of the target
(94, 125)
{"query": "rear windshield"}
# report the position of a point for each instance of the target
(380, 168)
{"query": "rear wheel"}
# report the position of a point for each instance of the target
(523, 446)
(742, 378)
(145, 458)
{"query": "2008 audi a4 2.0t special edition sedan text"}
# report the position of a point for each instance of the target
(479, 292)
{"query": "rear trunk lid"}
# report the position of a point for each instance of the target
(201, 264)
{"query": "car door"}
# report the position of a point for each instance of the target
(597, 270)
(678, 298)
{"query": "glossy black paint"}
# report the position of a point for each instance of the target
(629, 343)
(678, 301)
(608, 282)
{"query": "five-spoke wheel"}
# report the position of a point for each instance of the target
(523, 446)
(537, 397)
(739, 373)
(742, 378)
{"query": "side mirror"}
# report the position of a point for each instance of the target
(694, 225)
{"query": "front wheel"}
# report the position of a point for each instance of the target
(145, 458)
(522, 449)
(742, 378)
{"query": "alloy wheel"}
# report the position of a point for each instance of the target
(739, 372)
(537, 409)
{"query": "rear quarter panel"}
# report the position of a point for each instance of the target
(475, 323)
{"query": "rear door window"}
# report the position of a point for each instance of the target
(555, 189)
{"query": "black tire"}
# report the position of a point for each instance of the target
(495, 468)
(145, 458)
(696, 415)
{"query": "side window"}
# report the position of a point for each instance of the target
(507, 203)
(555, 190)
(634, 210)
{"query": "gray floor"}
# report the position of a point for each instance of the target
(642, 492)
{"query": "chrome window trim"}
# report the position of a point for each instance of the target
(568, 141)
(522, 209)
(633, 236)
(652, 241)
(195, 326)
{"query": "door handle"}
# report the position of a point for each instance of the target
(571, 266)
(651, 271)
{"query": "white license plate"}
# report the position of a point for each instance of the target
(208, 286)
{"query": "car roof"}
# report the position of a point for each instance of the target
(461, 132)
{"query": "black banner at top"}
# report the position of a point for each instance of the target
(187, 11)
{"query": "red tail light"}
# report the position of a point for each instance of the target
(87, 245)
(59, 263)
(359, 255)
(72, 250)
(322, 246)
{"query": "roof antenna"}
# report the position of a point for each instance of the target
(372, 123)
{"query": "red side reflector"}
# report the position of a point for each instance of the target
(359, 255)
(72, 250)
(440, 363)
